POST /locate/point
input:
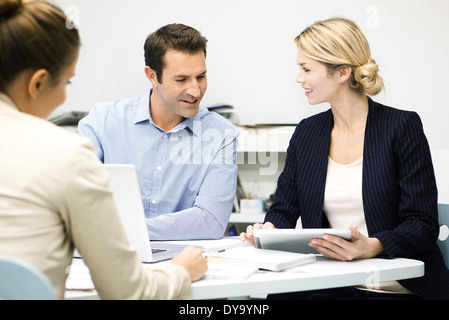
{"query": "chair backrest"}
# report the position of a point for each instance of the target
(20, 280)
(443, 239)
(440, 159)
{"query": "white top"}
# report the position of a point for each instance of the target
(343, 202)
(343, 206)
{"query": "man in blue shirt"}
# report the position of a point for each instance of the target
(185, 155)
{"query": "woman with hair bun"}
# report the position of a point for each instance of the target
(54, 192)
(360, 165)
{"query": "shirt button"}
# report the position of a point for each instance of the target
(154, 201)
(165, 136)
(159, 168)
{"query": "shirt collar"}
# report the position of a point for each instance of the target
(143, 114)
(6, 100)
(189, 123)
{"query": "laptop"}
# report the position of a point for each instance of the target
(125, 187)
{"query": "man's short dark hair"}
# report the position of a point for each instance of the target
(176, 37)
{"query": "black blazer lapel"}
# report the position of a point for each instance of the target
(313, 155)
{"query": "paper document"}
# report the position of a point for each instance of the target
(264, 259)
(79, 277)
(229, 271)
(214, 245)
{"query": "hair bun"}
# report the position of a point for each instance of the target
(368, 77)
(9, 7)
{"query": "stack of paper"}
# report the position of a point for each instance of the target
(264, 259)
(229, 271)
(79, 277)
(213, 245)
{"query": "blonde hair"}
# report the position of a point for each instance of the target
(339, 43)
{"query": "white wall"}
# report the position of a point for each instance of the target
(251, 56)
(252, 59)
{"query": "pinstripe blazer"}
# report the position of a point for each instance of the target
(399, 189)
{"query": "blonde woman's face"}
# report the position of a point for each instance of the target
(315, 79)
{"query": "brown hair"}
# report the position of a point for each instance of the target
(33, 35)
(176, 37)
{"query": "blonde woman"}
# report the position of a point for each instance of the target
(54, 193)
(359, 165)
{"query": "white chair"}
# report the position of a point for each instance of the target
(20, 280)
(443, 239)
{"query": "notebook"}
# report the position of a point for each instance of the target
(229, 271)
(125, 187)
(293, 240)
(261, 258)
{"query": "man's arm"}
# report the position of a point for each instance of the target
(89, 127)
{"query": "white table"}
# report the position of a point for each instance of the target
(324, 273)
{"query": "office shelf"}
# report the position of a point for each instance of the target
(247, 218)
(261, 159)
(265, 138)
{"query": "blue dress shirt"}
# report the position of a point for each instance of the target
(187, 176)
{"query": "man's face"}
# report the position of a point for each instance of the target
(184, 82)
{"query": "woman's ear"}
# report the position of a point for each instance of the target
(343, 74)
(152, 76)
(38, 82)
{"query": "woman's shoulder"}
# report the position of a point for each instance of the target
(391, 116)
(382, 109)
(313, 129)
(52, 140)
(316, 119)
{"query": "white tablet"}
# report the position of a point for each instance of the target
(294, 240)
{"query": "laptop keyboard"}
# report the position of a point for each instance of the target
(157, 250)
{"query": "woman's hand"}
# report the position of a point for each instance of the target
(193, 261)
(359, 247)
(248, 236)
